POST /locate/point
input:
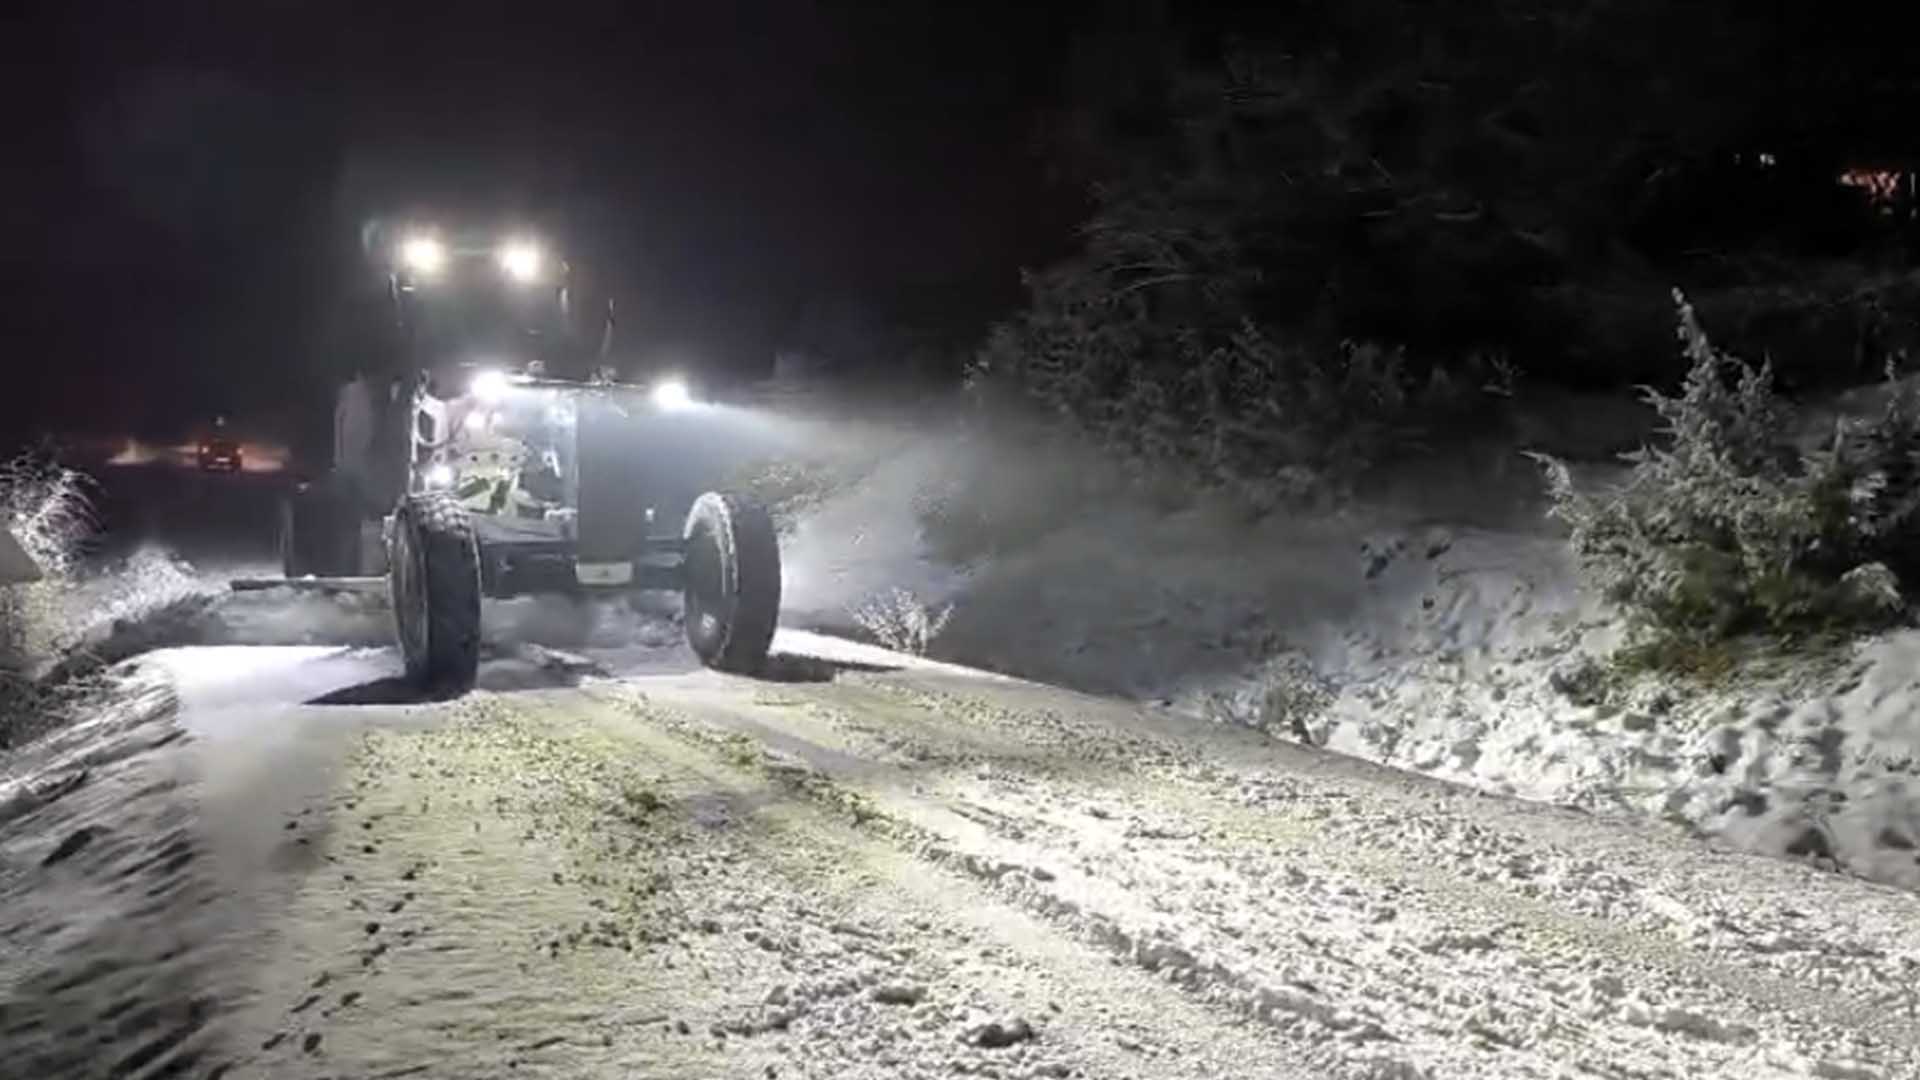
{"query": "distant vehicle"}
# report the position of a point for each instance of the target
(219, 453)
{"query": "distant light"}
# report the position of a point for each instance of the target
(440, 476)
(1881, 186)
(672, 394)
(423, 254)
(521, 261)
(133, 452)
(489, 384)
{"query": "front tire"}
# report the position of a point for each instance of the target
(433, 576)
(732, 582)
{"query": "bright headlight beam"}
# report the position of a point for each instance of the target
(672, 394)
(423, 254)
(440, 476)
(488, 385)
(521, 261)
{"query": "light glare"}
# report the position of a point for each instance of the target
(672, 394)
(521, 261)
(423, 254)
(489, 385)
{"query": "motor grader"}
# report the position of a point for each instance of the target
(502, 458)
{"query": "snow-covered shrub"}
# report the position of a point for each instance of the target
(45, 507)
(1872, 588)
(57, 633)
(1292, 697)
(1726, 528)
(1272, 422)
(901, 621)
(1153, 341)
(1287, 698)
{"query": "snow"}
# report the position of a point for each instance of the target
(1345, 909)
(1436, 627)
(880, 865)
(888, 866)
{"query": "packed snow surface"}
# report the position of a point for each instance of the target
(279, 862)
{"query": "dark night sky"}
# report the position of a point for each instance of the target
(180, 201)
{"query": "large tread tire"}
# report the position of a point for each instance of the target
(319, 534)
(732, 582)
(433, 576)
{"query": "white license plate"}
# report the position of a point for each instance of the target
(603, 573)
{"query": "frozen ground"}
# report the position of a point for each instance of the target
(1436, 626)
(273, 859)
(274, 862)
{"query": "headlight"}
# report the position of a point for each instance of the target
(423, 254)
(672, 394)
(439, 476)
(489, 385)
(521, 261)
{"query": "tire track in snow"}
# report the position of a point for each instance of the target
(1654, 995)
(591, 896)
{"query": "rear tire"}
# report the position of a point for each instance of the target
(433, 575)
(732, 582)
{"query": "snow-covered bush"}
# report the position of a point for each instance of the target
(1726, 528)
(1292, 697)
(1158, 340)
(901, 621)
(1272, 422)
(1287, 698)
(45, 507)
(57, 633)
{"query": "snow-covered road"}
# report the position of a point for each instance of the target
(275, 864)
